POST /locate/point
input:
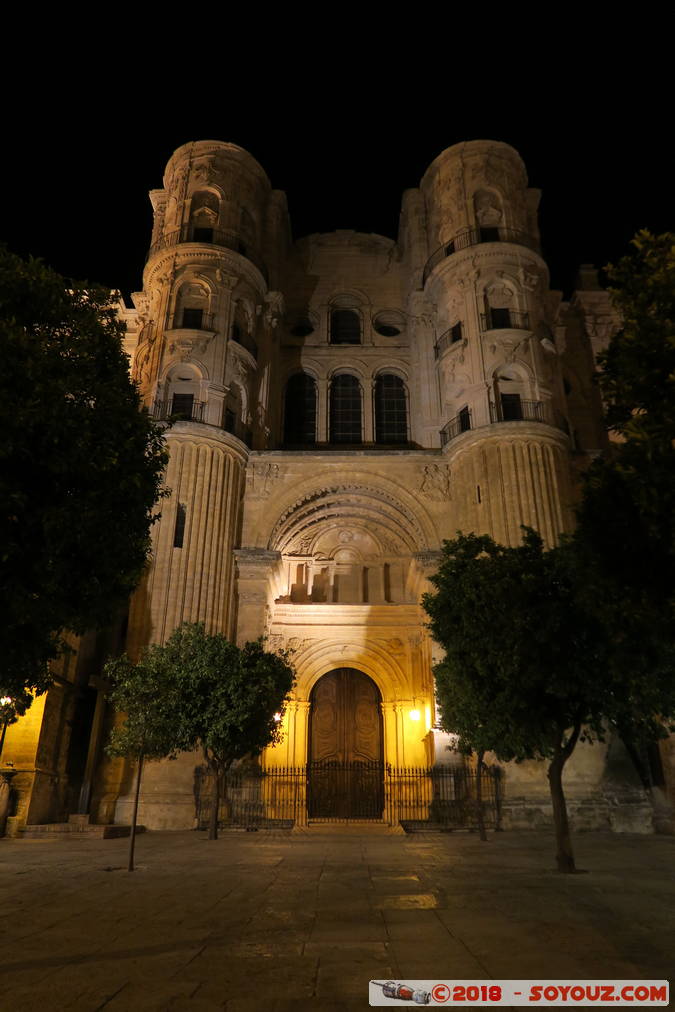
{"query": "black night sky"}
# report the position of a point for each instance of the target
(83, 161)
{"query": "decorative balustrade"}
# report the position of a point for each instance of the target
(166, 411)
(504, 319)
(460, 423)
(211, 237)
(474, 237)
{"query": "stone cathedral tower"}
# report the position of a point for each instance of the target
(335, 408)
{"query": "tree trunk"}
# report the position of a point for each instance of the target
(564, 855)
(217, 780)
(134, 817)
(479, 798)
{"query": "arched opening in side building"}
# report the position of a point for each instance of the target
(345, 767)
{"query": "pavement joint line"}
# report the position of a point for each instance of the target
(457, 938)
(110, 997)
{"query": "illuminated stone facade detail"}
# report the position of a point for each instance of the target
(457, 359)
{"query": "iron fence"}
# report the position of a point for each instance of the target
(279, 797)
(208, 236)
(475, 236)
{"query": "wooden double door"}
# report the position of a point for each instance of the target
(345, 768)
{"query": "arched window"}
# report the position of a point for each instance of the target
(192, 305)
(345, 326)
(204, 211)
(391, 410)
(345, 410)
(300, 411)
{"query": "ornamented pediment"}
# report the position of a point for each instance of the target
(188, 345)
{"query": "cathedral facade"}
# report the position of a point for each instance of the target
(335, 408)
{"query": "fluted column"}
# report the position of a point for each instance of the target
(193, 582)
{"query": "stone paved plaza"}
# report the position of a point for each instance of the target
(303, 920)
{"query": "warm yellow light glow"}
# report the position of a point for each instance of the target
(414, 714)
(277, 717)
(5, 701)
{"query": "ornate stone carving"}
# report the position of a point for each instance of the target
(395, 645)
(529, 277)
(274, 308)
(261, 479)
(500, 295)
(436, 482)
(296, 643)
(188, 345)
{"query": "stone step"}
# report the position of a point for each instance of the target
(74, 830)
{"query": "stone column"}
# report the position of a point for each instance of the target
(255, 570)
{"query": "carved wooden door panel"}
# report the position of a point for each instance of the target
(345, 747)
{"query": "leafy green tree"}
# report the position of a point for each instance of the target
(625, 537)
(229, 697)
(80, 467)
(145, 693)
(202, 692)
(523, 669)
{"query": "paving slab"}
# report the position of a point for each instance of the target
(275, 921)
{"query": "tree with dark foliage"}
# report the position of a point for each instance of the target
(523, 674)
(80, 468)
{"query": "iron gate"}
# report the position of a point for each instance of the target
(438, 797)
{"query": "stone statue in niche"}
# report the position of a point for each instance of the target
(488, 211)
(436, 482)
(500, 296)
(529, 278)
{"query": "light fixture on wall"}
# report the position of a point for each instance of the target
(414, 714)
(277, 717)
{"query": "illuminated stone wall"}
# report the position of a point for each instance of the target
(326, 548)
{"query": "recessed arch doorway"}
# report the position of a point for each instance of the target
(345, 767)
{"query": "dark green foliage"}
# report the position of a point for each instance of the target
(625, 538)
(146, 693)
(227, 695)
(200, 691)
(523, 663)
(80, 467)
(524, 671)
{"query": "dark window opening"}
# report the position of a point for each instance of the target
(345, 410)
(386, 330)
(512, 410)
(456, 333)
(193, 318)
(230, 421)
(179, 530)
(489, 234)
(500, 318)
(450, 248)
(200, 234)
(241, 248)
(387, 582)
(181, 405)
(391, 410)
(345, 327)
(464, 419)
(300, 411)
(364, 585)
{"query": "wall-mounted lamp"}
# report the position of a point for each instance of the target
(414, 714)
(277, 717)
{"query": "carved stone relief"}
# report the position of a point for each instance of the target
(435, 483)
(261, 479)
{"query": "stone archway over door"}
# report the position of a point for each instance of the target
(345, 747)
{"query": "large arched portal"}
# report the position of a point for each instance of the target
(345, 769)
